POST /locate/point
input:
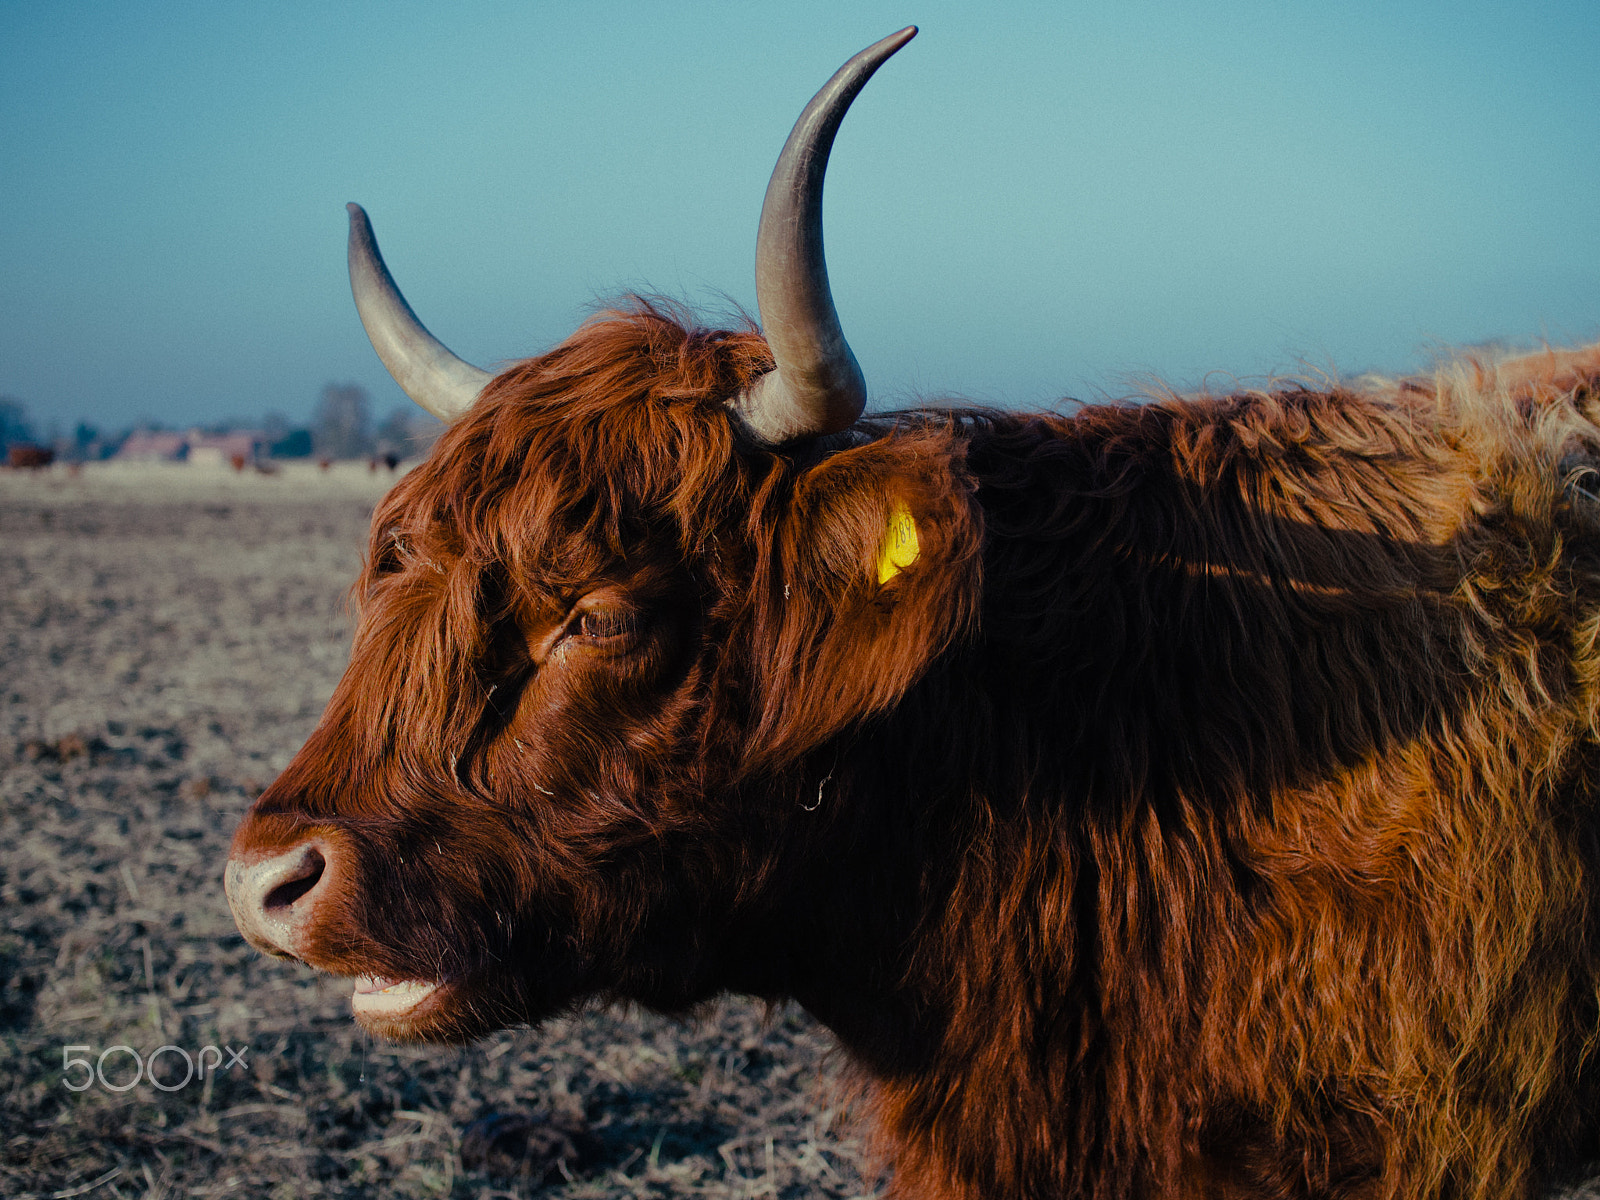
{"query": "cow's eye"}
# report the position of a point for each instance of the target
(608, 624)
(393, 553)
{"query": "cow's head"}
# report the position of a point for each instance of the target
(609, 632)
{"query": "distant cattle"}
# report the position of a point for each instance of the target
(1189, 798)
(26, 456)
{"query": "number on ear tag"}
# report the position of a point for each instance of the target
(900, 544)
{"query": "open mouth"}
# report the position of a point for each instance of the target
(375, 996)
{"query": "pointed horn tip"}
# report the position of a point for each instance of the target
(360, 225)
(885, 48)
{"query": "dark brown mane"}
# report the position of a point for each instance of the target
(623, 417)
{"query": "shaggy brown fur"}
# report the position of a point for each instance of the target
(1209, 810)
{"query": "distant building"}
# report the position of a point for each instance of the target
(224, 449)
(154, 447)
(196, 448)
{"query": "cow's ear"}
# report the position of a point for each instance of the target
(873, 573)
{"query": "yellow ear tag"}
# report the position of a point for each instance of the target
(900, 544)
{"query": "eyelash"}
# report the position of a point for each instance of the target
(604, 625)
(394, 553)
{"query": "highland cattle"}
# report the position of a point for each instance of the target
(1186, 798)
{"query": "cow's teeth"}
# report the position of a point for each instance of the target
(375, 995)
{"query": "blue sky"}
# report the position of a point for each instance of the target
(1029, 201)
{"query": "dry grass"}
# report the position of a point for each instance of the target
(168, 637)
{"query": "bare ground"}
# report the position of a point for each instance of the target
(168, 637)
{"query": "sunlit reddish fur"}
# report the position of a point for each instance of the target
(1208, 811)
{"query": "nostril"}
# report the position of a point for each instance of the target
(274, 898)
(304, 877)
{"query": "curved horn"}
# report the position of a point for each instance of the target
(421, 364)
(816, 387)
